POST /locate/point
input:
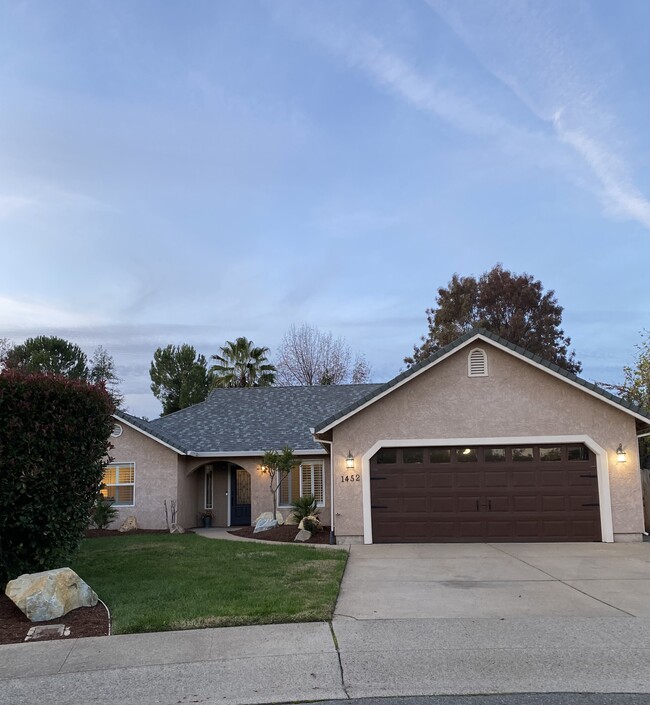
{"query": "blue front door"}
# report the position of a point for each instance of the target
(240, 497)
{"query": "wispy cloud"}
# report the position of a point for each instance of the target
(10, 205)
(18, 315)
(527, 49)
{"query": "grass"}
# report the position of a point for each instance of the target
(161, 582)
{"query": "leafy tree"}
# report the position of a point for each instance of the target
(241, 364)
(54, 440)
(102, 371)
(513, 306)
(277, 465)
(308, 356)
(49, 355)
(179, 377)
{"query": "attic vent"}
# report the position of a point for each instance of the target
(117, 431)
(477, 363)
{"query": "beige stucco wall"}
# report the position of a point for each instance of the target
(155, 477)
(515, 400)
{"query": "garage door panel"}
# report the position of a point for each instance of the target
(535, 500)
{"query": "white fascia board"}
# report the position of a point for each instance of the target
(249, 453)
(149, 435)
(498, 346)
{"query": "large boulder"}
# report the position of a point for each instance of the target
(312, 521)
(269, 515)
(50, 594)
(291, 520)
(303, 535)
(129, 524)
(264, 525)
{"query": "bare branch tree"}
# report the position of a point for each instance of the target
(309, 356)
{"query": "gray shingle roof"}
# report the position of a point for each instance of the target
(380, 389)
(252, 419)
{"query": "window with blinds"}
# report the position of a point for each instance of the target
(306, 478)
(477, 363)
(119, 484)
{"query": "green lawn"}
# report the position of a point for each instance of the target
(159, 582)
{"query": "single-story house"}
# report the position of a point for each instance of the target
(483, 441)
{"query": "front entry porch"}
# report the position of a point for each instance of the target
(226, 494)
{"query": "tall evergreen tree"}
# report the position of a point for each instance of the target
(179, 377)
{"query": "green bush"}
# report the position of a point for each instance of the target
(53, 444)
(103, 513)
(304, 507)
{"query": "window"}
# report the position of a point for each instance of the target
(477, 363)
(413, 455)
(466, 455)
(440, 455)
(208, 486)
(495, 455)
(550, 454)
(119, 481)
(522, 455)
(306, 478)
(578, 453)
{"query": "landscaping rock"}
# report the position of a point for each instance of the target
(129, 524)
(176, 529)
(290, 520)
(50, 594)
(269, 515)
(313, 518)
(303, 535)
(264, 525)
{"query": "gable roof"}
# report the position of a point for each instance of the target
(251, 420)
(478, 334)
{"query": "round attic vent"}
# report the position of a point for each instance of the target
(117, 431)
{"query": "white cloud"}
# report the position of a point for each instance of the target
(533, 53)
(17, 315)
(12, 204)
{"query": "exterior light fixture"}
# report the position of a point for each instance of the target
(467, 451)
(263, 469)
(620, 454)
(349, 461)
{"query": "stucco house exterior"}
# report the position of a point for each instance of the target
(483, 441)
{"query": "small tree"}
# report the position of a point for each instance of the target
(278, 466)
(54, 440)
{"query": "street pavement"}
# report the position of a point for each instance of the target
(411, 621)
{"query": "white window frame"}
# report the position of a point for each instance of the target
(117, 467)
(208, 477)
(298, 469)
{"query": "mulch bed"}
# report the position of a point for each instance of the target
(85, 621)
(82, 622)
(284, 534)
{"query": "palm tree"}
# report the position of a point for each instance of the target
(241, 364)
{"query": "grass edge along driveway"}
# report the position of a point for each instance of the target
(161, 582)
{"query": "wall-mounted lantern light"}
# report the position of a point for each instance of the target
(349, 461)
(620, 454)
(263, 469)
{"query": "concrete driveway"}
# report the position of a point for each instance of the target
(428, 581)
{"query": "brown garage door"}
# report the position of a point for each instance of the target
(523, 493)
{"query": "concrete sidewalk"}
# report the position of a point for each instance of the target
(291, 662)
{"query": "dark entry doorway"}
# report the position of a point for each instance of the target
(240, 497)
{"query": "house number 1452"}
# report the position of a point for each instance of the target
(351, 478)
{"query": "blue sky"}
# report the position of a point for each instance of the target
(191, 172)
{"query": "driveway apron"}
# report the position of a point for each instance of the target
(420, 581)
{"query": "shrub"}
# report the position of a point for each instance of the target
(304, 507)
(312, 523)
(103, 513)
(53, 444)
